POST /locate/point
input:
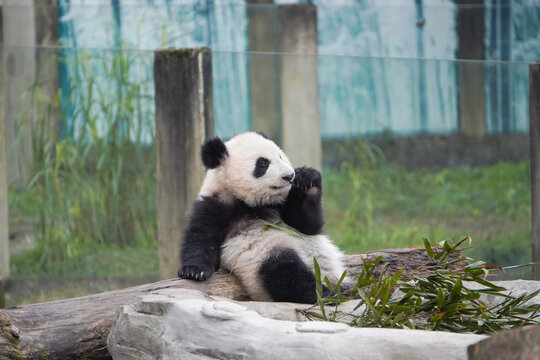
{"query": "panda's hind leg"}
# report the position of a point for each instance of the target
(286, 278)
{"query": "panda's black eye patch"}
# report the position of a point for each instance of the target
(260, 167)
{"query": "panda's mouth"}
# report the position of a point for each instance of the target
(279, 187)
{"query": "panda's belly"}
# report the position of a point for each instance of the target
(249, 245)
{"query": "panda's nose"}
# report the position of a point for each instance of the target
(288, 177)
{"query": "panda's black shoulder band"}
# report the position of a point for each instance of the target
(213, 151)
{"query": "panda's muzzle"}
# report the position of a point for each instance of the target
(288, 178)
(280, 187)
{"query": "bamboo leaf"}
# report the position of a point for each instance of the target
(427, 245)
(281, 228)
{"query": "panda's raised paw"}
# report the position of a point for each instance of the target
(194, 272)
(306, 179)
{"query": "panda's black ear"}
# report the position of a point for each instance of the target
(263, 135)
(213, 152)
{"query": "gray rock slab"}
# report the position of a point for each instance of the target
(185, 324)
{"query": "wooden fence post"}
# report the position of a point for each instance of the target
(4, 233)
(47, 61)
(470, 28)
(4, 230)
(263, 67)
(300, 127)
(184, 120)
(534, 121)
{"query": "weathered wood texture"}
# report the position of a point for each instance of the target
(4, 231)
(534, 133)
(471, 74)
(300, 127)
(78, 328)
(183, 97)
(47, 64)
(522, 344)
(263, 67)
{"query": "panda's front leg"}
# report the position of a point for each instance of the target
(302, 209)
(201, 244)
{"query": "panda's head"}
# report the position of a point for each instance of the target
(248, 167)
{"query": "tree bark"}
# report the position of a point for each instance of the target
(78, 328)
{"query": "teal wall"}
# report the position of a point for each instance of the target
(384, 65)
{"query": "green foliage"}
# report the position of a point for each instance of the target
(371, 204)
(444, 300)
(94, 188)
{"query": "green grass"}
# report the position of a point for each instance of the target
(384, 206)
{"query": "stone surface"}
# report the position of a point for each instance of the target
(173, 324)
(514, 288)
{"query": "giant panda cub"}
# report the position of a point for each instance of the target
(250, 179)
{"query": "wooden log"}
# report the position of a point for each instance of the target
(534, 133)
(300, 127)
(183, 97)
(78, 328)
(472, 113)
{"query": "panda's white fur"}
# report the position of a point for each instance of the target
(243, 253)
(247, 243)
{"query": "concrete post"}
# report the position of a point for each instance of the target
(27, 23)
(184, 120)
(263, 67)
(4, 231)
(20, 73)
(46, 26)
(470, 26)
(534, 133)
(300, 128)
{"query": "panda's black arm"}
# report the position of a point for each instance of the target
(303, 209)
(203, 237)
